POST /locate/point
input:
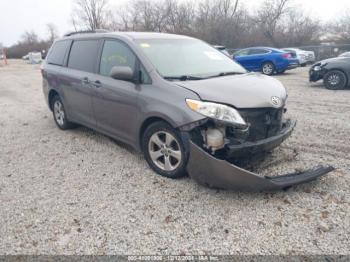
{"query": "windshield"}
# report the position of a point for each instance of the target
(187, 57)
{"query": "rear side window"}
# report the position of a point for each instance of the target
(258, 51)
(83, 55)
(58, 52)
(116, 53)
(242, 52)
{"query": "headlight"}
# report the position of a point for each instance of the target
(217, 111)
(319, 66)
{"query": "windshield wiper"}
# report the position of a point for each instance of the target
(183, 78)
(225, 74)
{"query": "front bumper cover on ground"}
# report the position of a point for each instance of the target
(213, 172)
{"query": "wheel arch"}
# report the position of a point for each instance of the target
(147, 122)
(51, 95)
(267, 61)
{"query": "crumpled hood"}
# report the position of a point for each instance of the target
(251, 90)
(334, 59)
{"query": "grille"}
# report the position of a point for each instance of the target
(264, 122)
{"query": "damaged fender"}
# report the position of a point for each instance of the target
(213, 172)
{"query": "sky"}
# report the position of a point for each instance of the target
(18, 16)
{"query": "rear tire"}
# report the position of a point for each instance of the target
(335, 80)
(164, 150)
(268, 68)
(59, 114)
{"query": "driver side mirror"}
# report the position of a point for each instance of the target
(124, 73)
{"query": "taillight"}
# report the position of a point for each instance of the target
(286, 55)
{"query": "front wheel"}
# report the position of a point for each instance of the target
(335, 80)
(268, 68)
(164, 150)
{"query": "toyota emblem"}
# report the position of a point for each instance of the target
(276, 101)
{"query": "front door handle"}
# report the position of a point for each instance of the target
(97, 84)
(85, 80)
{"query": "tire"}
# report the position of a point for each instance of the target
(335, 80)
(267, 68)
(164, 150)
(59, 114)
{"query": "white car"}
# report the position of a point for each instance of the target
(346, 54)
(304, 57)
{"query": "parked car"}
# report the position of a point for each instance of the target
(265, 59)
(33, 57)
(345, 54)
(304, 57)
(335, 72)
(184, 104)
(222, 49)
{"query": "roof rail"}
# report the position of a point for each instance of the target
(87, 32)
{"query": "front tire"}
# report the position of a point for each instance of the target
(335, 80)
(268, 68)
(59, 114)
(164, 150)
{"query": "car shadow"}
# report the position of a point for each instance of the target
(96, 137)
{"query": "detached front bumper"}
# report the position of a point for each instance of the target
(248, 148)
(314, 76)
(213, 172)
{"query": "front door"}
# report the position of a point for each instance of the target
(115, 102)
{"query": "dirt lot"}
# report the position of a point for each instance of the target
(79, 192)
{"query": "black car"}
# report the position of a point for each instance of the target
(335, 72)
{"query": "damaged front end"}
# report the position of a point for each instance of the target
(212, 143)
(218, 173)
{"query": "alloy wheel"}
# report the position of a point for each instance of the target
(164, 150)
(333, 79)
(267, 69)
(59, 112)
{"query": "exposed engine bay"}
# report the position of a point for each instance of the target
(213, 142)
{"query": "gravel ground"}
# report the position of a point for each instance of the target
(79, 192)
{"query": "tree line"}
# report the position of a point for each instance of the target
(278, 23)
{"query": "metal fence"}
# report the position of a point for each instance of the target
(327, 51)
(321, 51)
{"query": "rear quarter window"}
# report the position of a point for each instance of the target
(83, 55)
(58, 52)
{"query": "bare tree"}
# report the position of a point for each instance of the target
(90, 14)
(298, 29)
(29, 37)
(340, 29)
(270, 13)
(52, 32)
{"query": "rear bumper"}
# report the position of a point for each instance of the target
(213, 172)
(249, 148)
(293, 65)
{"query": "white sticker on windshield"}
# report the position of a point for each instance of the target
(213, 55)
(144, 45)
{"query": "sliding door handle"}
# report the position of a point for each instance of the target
(97, 84)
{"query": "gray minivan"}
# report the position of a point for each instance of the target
(184, 104)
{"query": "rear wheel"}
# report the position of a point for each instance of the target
(59, 114)
(164, 150)
(335, 80)
(268, 68)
